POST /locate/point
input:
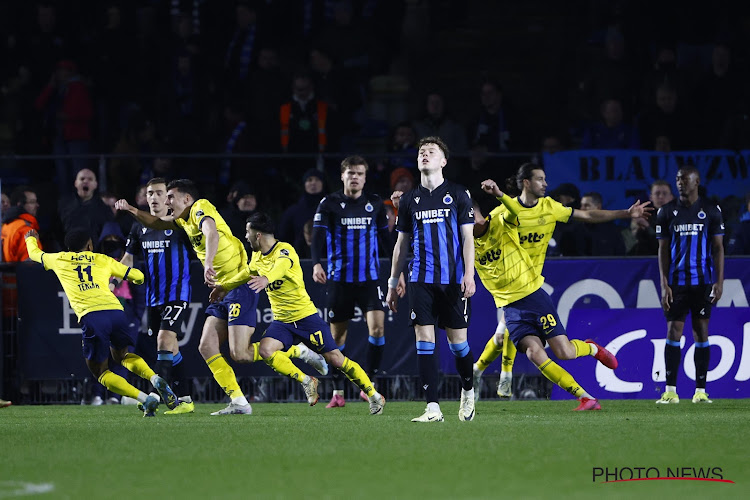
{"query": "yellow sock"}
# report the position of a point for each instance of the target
(293, 352)
(224, 376)
(135, 364)
(509, 353)
(356, 374)
(490, 354)
(255, 346)
(281, 363)
(558, 375)
(582, 348)
(116, 383)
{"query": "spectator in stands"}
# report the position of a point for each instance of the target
(124, 221)
(84, 210)
(495, 126)
(667, 119)
(236, 140)
(183, 106)
(718, 94)
(4, 203)
(138, 137)
(45, 44)
(568, 237)
(603, 239)
(336, 86)
(359, 51)
(293, 219)
(739, 241)
(266, 90)
(640, 237)
(241, 204)
(437, 123)
(611, 132)
(66, 105)
(665, 72)
(141, 202)
(402, 179)
(18, 220)
(242, 49)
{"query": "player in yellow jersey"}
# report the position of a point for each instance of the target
(84, 276)
(275, 267)
(507, 272)
(233, 319)
(537, 216)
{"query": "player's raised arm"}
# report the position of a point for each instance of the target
(489, 186)
(636, 210)
(144, 218)
(32, 245)
(124, 272)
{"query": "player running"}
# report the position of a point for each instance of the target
(84, 276)
(275, 267)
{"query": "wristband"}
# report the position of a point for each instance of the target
(392, 282)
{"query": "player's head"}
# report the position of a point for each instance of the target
(354, 173)
(156, 196)
(433, 154)
(688, 180)
(591, 201)
(660, 193)
(181, 194)
(531, 180)
(258, 225)
(78, 240)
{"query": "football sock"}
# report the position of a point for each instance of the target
(582, 348)
(281, 363)
(464, 363)
(490, 354)
(178, 382)
(224, 375)
(509, 353)
(701, 357)
(356, 374)
(428, 372)
(672, 356)
(164, 364)
(375, 346)
(294, 352)
(119, 385)
(561, 377)
(336, 378)
(136, 364)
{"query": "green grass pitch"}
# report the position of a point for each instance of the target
(516, 449)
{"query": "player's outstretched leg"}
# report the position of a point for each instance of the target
(135, 364)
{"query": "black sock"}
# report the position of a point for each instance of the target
(374, 356)
(672, 354)
(429, 375)
(701, 357)
(465, 369)
(164, 366)
(180, 384)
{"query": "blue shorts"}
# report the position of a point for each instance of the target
(312, 330)
(534, 314)
(238, 307)
(100, 329)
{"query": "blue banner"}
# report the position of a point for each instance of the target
(622, 176)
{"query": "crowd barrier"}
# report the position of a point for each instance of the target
(615, 301)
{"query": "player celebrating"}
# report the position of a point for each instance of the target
(166, 254)
(690, 231)
(85, 276)
(509, 275)
(438, 216)
(275, 267)
(348, 224)
(537, 215)
(234, 318)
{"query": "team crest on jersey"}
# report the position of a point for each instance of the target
(284, 251)
(342, 204)
(416, 200)
(447, 199)
(701, 214)
(368, 207)
(542, 221)
(168, 232)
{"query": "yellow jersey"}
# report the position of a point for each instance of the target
(504, 267)
(536, 225)
(286, 285)
(231, 256)
(85, 277)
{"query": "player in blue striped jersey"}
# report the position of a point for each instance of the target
(166, 256)
(438, 216)
(349, 225)
(690, 231)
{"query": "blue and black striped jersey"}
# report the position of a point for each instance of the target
(690, 230)
(352, 227)
(166, 255)
(434, 220)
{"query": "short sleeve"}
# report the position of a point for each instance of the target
(134, 237)
(403, 219)
(381, 220)
(662, 223)
(202, 209)
(321, 214)
(560, 212)
(716, 222)
(465, 208)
